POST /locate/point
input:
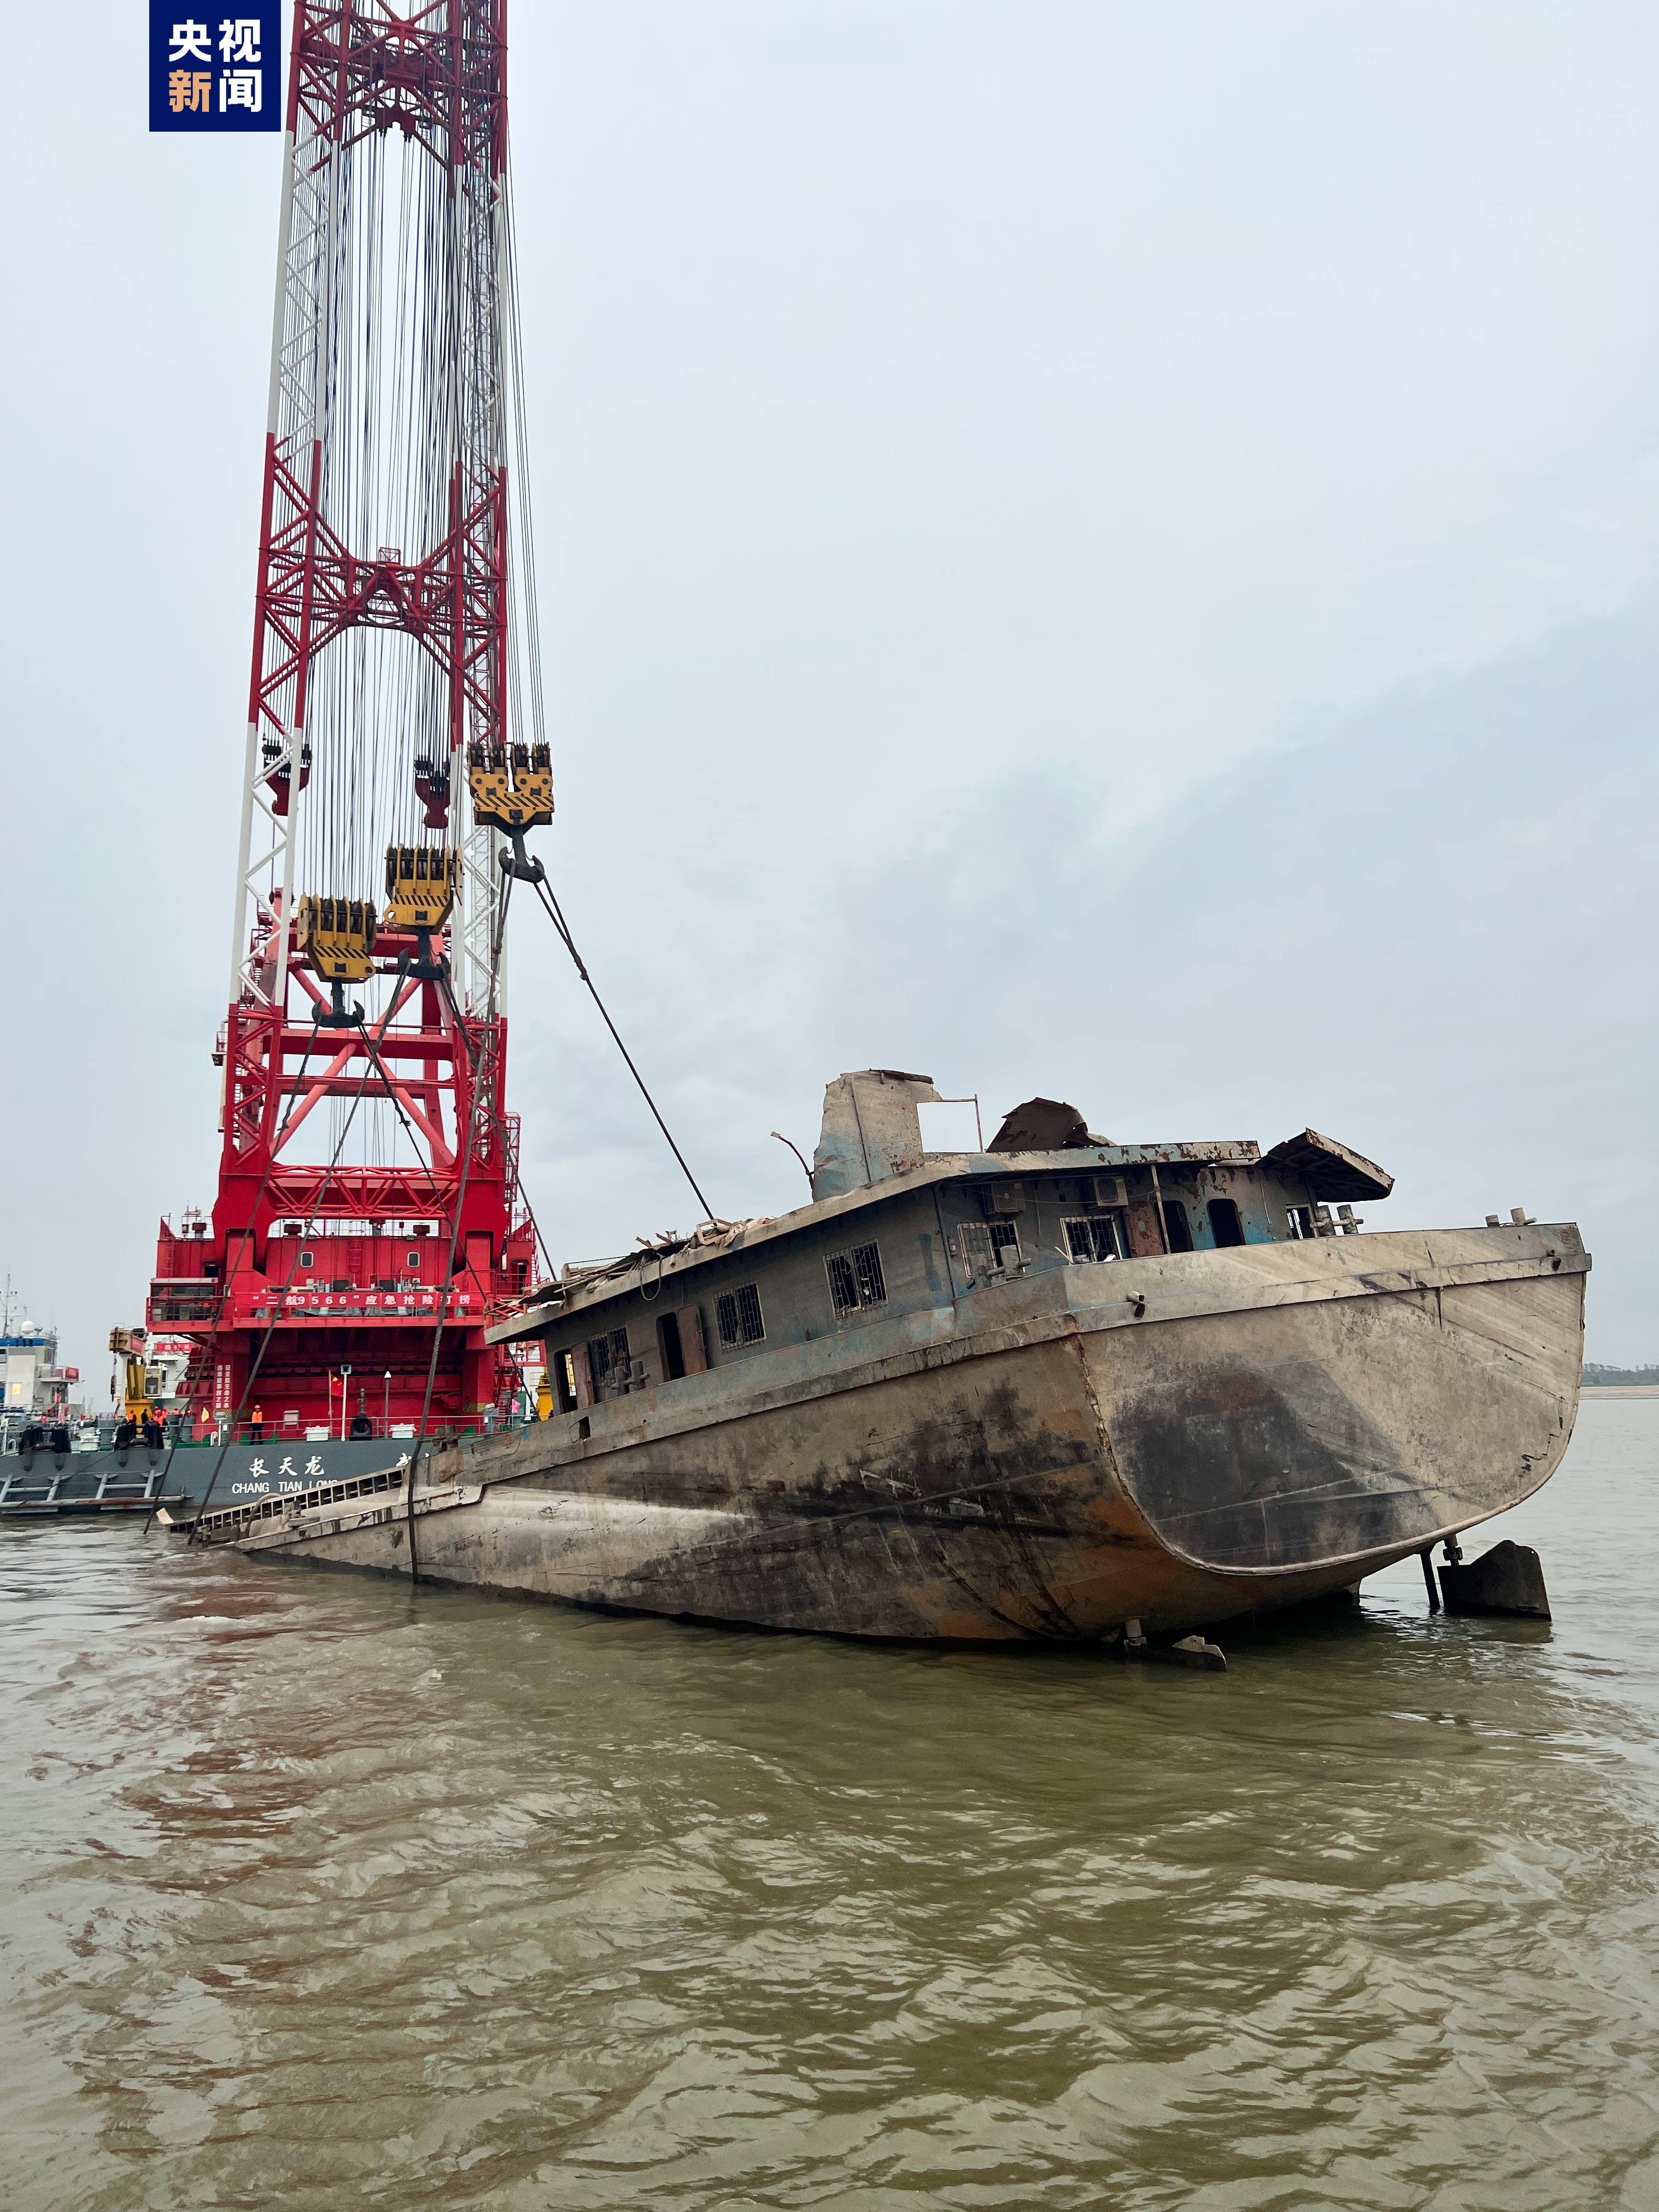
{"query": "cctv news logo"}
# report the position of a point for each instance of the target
(213, 72)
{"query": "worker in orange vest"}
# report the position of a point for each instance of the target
(257, 1422)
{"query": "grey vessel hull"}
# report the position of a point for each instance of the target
(1170, 1441)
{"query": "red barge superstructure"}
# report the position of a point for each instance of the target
(368, 1184)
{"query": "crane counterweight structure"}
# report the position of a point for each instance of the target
(367, 1188)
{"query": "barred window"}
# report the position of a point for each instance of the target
(987, 1246)
(1096, 1238)
(738, 1314)
(856, 1279)
(607, 1357)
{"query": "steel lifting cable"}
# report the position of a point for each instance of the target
(287, 1285)
(259, 1195)
(498, 939)
(531, 612)
(476, 1106)
(311, 1217)
(535, 1230)
(449, 1270)
(532, 632)
(543, 891)
(461, 1032)
(403, 1119)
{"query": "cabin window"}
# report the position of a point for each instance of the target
(564, 1382)
(738, 1314)
(988, 1244)
(1299, 1220)
(668, 1343)
(608, 1359)
(1095, 1238)
(1225, 1226)
(867, 1265)
(306, 1258)
(1177, 1229)
(411, 1259)
(856, 1279)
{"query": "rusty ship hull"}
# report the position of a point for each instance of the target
(1173, 1441)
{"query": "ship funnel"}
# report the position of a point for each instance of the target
(871, 1130)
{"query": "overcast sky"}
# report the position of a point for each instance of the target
(1096, 548)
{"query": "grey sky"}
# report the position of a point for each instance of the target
(1084, 548)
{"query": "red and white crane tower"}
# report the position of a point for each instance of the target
(368, 1205)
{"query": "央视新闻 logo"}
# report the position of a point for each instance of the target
(215, 72)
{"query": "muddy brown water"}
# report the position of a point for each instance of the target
(319, 1893)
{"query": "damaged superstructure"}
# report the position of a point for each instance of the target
(1061, 1387)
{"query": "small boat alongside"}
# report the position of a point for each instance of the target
(1060, 1389)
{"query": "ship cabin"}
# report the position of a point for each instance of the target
(897, 1239)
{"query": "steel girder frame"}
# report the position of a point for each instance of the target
(439, 75)
(277, 1072)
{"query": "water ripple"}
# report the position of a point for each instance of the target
(324, 1892)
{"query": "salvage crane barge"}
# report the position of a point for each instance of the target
(368, 1224)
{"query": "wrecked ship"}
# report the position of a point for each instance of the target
(1058, 1388)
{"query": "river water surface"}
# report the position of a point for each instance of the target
(319, 1893)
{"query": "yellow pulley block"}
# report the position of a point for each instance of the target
(532, 783)
(494, 806)
(337, 936)
(512, 793)
(421, 884)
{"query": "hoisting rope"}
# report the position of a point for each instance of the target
(495, 945)
(515, 868)
(443, 1295)
(225, 1278)
(531, 688)
(311, 1217)
(374, 1065)
(457, 1022)
(544, 893)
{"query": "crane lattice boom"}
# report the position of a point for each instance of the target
(365, 1134)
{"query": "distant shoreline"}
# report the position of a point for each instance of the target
(1619, 1391)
